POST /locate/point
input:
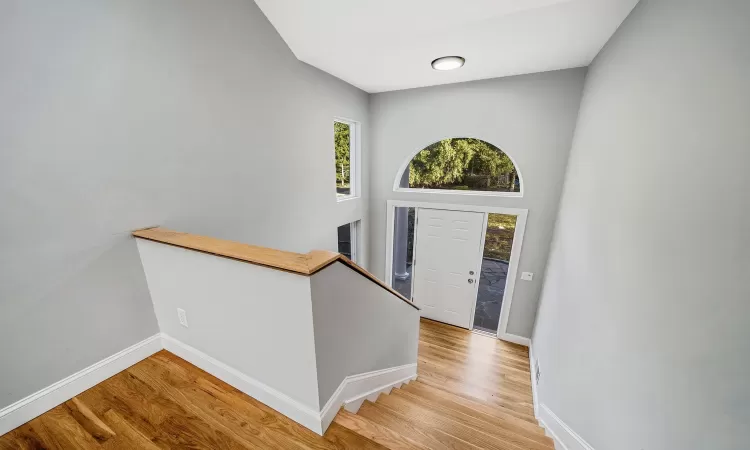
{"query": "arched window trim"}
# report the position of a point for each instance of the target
(405, 164)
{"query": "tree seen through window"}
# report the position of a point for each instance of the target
(342, 145)
(462, 164)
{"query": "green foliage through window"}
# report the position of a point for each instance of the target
(498, 241)
(463, 164)
(342, 143)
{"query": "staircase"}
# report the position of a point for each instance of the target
(472, 391)
(418, 416)
(440, 412)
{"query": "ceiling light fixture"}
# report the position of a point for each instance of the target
(448, 63)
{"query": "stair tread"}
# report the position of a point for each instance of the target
(498, 362)
(376, 432)
(518, 403)
(488, 413)
(499, 359)
(433, 438)
(499, 429)
(513, 377)
(491, 408)
(449, 346)
(431, 420)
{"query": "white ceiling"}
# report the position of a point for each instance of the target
(384, 45)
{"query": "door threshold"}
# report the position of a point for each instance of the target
(445, 323)
(484, 333)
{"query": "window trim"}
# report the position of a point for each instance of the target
(405, 164)
(354, 158)
(355, 230)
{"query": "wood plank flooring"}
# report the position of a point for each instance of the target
(472, 392)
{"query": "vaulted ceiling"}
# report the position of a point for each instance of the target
(386, 45)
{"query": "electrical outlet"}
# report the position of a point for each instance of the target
(527, 276)
(182, 315)
(538, 373)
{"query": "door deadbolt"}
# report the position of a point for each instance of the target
(471, 272)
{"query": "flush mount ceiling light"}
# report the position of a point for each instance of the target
(448, 63)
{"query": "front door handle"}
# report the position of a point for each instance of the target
(471, 280)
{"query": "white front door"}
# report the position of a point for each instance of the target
(447, 264)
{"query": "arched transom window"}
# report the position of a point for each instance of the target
(461, 165)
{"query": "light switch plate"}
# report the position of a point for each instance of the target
(527, 276)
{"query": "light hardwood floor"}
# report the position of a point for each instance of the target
(472, 392)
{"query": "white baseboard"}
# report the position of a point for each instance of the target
(265, 394)
(355, 389)
(42, 401)
(534, 387)
(352, 391)
(564, 436)
(516, 339)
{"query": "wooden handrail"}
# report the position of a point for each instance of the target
(300, 263)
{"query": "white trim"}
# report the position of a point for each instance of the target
(485, 221)
(515, 254)
(510, 284)
(400, 173)
(534, 387)
(467, 192)
(355, 234)
(42, 401)
(564, 436)
(355, 240)
(414, 243)
(355, 389)
(267, 395)
(516, 339)
(354, 159)
(390, 216)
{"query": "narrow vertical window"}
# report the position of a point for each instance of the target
(403, 250)
(498, 243)
(345, 153)
(348, 236)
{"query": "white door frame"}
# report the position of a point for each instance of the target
(355, 233)
(515, 254)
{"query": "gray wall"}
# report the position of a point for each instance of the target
(531, 117)
(370, 330)
(254, 319)
(122, 114)
(642, 334)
